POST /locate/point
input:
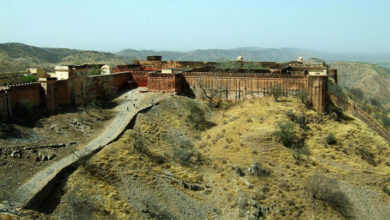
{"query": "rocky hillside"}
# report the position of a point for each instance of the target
(16, 57)
(373, 80)
(256, 159)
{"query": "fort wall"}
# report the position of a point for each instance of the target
(62, 92)
(28, 92)
(52, 93)
(140, 77)
(165, 83)
(240, 86)
(236, 86)
(149, 65)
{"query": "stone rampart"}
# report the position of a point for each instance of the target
(22, 93)
(52, 93)
(165, 83)
(234, 86)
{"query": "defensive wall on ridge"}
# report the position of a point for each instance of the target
(236, 86)
(52, 94)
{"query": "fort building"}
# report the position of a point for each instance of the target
(240, 79)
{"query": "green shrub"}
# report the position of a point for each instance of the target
(29, 79)
(256, 169)
(376, 102)
(335, 112)
(301, 119)
(301, 150)
(304, 97)
(386, 121)
(198, 119)
(335, 89)
(287, 134)
(357, 93)
(331, 139)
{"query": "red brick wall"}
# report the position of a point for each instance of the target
(140, 77)
(31, 92)
(62, 92)
(165, 83)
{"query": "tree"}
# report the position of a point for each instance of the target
(225, 65)
(211, 94)
(29, 79)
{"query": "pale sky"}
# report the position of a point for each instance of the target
(334, 25)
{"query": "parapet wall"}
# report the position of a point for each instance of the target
(28, 92)
(242, 86)
(149, 65)
(102, 85)
(165, 83)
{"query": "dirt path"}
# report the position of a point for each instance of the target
(131, 103)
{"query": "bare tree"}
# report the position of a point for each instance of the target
(212, 95)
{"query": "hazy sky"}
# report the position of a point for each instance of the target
(341, 25)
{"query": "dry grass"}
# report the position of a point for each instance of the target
(243, 135)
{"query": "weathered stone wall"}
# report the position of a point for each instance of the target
(318, 89)
(30, 92)
(165, 83)
(238, 86)
(246, 85)
(101, 85)
(140, 77)
(158, 65)
(4, 111)
(52, 93)
(62, 92)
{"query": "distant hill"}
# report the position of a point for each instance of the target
(372, 79)
(248, 53)
(16, 57)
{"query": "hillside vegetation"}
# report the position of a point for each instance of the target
(18, 57)
(255, 159)
(373, 80)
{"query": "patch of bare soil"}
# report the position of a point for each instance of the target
(27, 149)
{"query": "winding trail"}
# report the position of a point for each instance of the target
(125, 113)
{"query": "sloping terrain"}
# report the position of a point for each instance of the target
(373, 80)
(182, 160)
(18, 57)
